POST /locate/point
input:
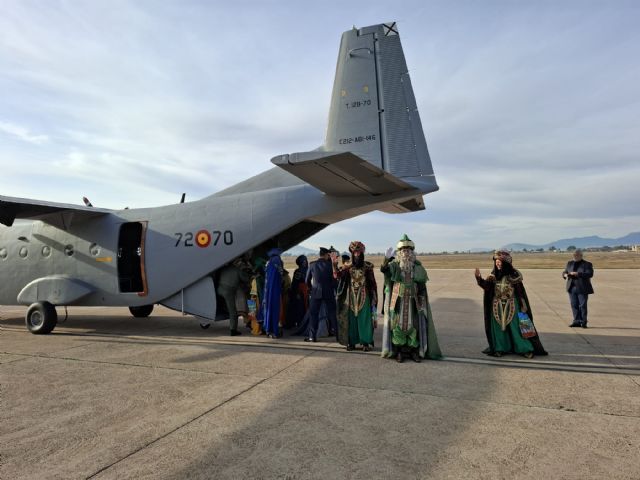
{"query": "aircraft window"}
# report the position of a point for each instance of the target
(46, 251)
(3, 253)
(24, 251)
(68, 250)
(94, 249)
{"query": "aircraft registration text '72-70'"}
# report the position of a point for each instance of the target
(203, 238)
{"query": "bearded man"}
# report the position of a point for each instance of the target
(408, 324)
(357, 299)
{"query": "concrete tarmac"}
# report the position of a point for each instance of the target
(110, 396)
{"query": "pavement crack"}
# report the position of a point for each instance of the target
(125, 364)
(462, 399)
(194, 419)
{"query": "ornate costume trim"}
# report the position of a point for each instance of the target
(504, 305)
(357, 289)
(503, 311)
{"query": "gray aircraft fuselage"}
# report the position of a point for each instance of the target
(244, 220)
(374, 157)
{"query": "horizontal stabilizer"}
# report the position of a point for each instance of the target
(415, 204)
(340, 174)
(49, 212)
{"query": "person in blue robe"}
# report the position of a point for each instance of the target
(272, 299)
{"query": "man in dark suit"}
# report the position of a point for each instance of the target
(578, 273)
(322, 287)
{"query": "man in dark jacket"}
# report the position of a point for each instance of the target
(578, 273)
(322, 287)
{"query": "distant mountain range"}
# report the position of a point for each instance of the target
(578, 242)
(300, 250)
(581, 242)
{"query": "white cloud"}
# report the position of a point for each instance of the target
(22, 133)
(530, 112)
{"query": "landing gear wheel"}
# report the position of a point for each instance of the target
(41, 318)
(141, 312)
(204, 326)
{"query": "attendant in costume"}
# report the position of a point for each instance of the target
(345, 260)
(253, 305)
(408, 323)
(386, 289)
(284, 298)
(322, 286)
(272, 298)
(259, 264)
(508, 320)
(578, 273)
(298, 294)
(232, 278)
(357, 299)
(244, 289)
(332, 320)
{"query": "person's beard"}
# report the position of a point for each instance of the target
(407, 260)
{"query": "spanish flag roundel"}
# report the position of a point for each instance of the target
(203, 238)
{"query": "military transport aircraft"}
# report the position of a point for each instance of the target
(374, 158)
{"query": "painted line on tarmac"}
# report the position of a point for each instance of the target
(549, 365)
(504, 363)
(328, 346)
(630, 373)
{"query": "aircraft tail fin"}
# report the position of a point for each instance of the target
(373, 111)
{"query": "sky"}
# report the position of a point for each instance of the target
(531, 110)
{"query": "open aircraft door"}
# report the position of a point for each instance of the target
(131, 270)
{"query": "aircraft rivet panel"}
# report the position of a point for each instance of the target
(23, 252)
(3, 253)
(46, 251)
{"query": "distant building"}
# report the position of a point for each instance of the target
(635, 248)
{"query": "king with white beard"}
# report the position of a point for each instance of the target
(408, 324)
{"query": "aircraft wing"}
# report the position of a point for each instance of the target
(49, 212)
(340, 174)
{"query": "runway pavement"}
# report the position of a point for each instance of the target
(110, 396)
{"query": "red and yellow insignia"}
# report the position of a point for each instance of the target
(203, 238)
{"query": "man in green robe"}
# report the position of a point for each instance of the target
(357, 299)
(408, 323)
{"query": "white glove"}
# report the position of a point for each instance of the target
(389, 253)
